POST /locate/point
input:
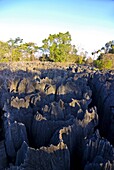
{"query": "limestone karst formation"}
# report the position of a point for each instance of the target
(56, 117)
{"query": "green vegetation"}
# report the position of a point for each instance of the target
(59, 47)
(89, 61)
(56, 48)
(106, 62)
(105, 58)
(4, 52)
(16, 50)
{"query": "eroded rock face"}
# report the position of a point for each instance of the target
(98, 153)
(3, 156)
(102, 85)
(14, 137)
(50, 115)
(75, 135)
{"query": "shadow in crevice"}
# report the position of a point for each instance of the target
(1, 125)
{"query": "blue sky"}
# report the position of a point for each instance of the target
(90, 22)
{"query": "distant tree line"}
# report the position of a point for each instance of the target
(16, 50)
(56, 48)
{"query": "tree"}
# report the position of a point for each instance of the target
(105, 59)
(14, 49)
(112, 48)
(28, 50)
(4, 51)
(89, 61)
(109, 47)
(59, 47)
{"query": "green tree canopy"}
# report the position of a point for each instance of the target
(29, 49)
(105, 59)
(14, 49)
(109, 47)
(4, 51)
(59, 47)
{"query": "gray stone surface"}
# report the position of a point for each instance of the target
(49, 116)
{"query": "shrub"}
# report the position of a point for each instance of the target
(106, 62)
